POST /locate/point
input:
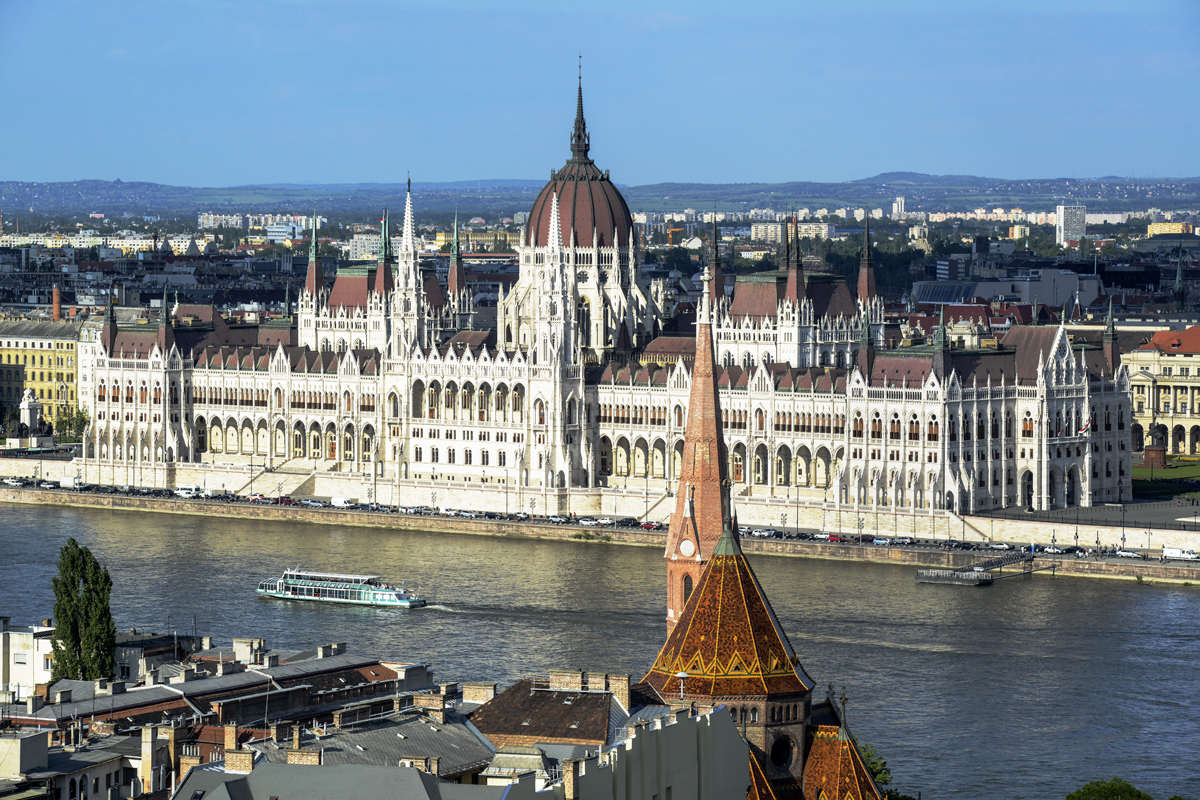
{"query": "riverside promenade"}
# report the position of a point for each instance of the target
(925, 554)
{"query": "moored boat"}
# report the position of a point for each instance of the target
(329, 587)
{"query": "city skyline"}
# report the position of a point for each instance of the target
(223, 94)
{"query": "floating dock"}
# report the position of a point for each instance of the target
(956, 577)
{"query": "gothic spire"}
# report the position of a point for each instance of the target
(866, 267)
(580, 141)
(1112, 351)
(314, 284)
(456, 280)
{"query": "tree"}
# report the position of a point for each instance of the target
(875, 764)
(84, 638)
(1115, 789)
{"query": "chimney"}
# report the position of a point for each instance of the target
(231, 737)
(324, 651)
(33, 704)
(296, 736)
(272, 661)
(619, 686)
(433, 766)
(4, 623)
(146, 767)
(570, 773)
(239, 761)
(566, 680)
(56, 308)
(206, 643)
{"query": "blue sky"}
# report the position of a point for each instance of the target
(221, 93)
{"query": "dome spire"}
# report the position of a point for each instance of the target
(580, 141)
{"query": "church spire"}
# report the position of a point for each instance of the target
(580, 141)
(866, 267)
(702, 507)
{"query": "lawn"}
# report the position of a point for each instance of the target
(1166, 483)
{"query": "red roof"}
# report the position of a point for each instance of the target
(1185, 341)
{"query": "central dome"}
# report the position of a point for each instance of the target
(588, 202)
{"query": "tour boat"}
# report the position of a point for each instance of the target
(328, 587)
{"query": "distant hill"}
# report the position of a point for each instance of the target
(509, 195)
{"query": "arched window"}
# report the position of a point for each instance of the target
(687, 587)
(856, 430)
(416, 454)
(932, 430)
(914, 429)
(877, 428)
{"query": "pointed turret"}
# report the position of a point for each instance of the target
(941, 360)
(108, 334)
(715, 291)
(457, 279)
(314, 284)
(866, 267)
(728, 640)
(408, 247)
(384, 280)
(702, 508)
(866, 347)
(1112, 352)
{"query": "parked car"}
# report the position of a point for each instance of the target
(588, 521)
(557, 519)
(468, 514)
(285, 501)
(879, 540)
(833, 538)
(606, 521)
(48, 484)
(1128, 554)
(312, 503)
(652, 526)
(12, 482)
(627, 522)
(1055, 549)
(903, 541)
(1000, 546)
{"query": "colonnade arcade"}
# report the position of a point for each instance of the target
(312, 439)
(637, 457)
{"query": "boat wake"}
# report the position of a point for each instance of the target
(448, 609)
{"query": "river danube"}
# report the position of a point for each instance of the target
(1026, 689)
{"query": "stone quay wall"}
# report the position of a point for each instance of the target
(1150, 571)
(756, 512)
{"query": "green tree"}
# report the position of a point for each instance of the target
(875, 764)
(1115, 789)
(84, 631)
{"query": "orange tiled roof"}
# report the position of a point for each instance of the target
(728, 639)
(834, 769)
(760, 787)
(1185, 341)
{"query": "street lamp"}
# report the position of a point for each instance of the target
(682, 677)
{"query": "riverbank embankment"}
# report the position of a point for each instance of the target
(917, 557)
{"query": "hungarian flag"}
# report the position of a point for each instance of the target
(1085, 428)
